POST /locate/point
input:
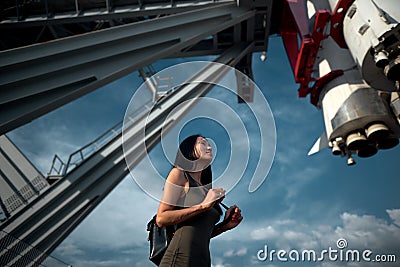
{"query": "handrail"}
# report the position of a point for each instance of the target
(77, 157)
(88, 150)
(57, 170)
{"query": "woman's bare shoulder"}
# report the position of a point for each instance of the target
(176, 176)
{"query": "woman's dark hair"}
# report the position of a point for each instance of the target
(187, 150)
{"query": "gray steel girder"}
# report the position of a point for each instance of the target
(61, 14)
(37, 79)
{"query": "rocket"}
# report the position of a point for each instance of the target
(346, 55)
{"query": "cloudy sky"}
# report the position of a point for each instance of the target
(306, 202)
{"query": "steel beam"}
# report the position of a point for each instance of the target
(19, 179)
(48, 219)
(108, 13)
(37, 79)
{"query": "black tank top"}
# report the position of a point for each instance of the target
(190, 244)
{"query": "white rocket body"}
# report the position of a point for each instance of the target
(361, 108)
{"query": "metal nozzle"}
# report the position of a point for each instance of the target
(263, 56)
(392, 70)
(350, 161)
(336, 149)
(377, 131)
(356, 141)
(389, 142)
(380, 133)
(367, 151)
(381, 59)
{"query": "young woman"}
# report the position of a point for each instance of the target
(190, 202)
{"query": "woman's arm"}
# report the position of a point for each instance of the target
(233, 217)
(219, 229)
(173, 189)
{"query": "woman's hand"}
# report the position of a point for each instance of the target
(233, 217)
(213, 195)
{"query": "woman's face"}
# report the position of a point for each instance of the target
(203, 149)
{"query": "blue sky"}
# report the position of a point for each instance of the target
(306, 202)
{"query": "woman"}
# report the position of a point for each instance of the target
(192, 204)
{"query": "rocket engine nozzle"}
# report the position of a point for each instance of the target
(392, 69)
(358, 143)
(382, 136)
(362, 124)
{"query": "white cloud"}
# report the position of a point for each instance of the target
(360, 231)
(254, 261)
(395, 216)
(235, 253)
(220, 265)
(103, 263)
(69, 248)
(241, 252)
(369, 231)
(219, 262)
(264, 233)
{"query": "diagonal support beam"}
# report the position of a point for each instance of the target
(37, 79)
